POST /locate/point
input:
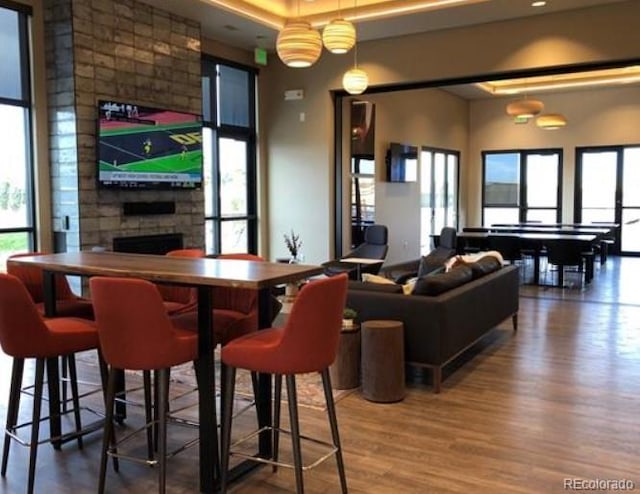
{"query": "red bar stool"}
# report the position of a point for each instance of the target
(24, 333)
(68, 304)
(136, 333)
(180, 299)
(235, 312)
(307, 343)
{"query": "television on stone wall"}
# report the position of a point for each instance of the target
(140, 147)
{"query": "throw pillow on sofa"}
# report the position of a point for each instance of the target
(436, 284)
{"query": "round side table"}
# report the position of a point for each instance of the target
(383, 361)
(345, 370)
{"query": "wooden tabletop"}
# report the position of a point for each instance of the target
(190, 271)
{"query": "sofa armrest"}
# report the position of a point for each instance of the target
(402, 271)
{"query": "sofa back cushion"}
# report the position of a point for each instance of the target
(484, 266)
(432, 262)
(435, 284)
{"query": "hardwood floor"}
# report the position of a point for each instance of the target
(520, 413)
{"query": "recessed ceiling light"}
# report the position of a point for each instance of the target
(539, 3)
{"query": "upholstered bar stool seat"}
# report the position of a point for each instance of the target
(179, 299)
(25, 334)
(137, 334)
(68, 304)
(307, 343)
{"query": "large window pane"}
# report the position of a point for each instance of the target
(502, 179)
(233, 101)
(500, 215)
(631, 174)
(599, 180)
(542, 181)
(14, 165)
(541, 215)
(207, 160)
(12, 243)
(440, 191)
(233, 236)
(233, 177)
(11, 73)
(452, 191)
(630, 235)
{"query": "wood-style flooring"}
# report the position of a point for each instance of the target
(522, 412)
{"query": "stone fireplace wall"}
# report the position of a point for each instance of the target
(126, 51)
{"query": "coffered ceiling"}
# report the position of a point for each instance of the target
(248, 24)
(255, 23)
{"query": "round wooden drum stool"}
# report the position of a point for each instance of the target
(345, 371)
(383, 361)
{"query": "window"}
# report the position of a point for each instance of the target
(229, 138)
(520, 186)
(17, 208)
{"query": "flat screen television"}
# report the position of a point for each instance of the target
(148, 148)
(402, 163)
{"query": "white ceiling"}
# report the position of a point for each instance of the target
(242, 32)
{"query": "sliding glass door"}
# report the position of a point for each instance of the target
(438, 193)
(607, 181)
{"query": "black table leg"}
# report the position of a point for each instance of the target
(53, 375)
(209, 457)
(265, 444)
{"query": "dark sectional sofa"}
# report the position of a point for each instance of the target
(438, 328)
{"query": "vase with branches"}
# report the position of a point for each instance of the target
(293, 243)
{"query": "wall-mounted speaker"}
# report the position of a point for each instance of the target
(142, 208)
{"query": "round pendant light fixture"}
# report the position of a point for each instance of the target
(525, 108)
(298, 44)
(551, 121)
(339, 36)
(355, 81)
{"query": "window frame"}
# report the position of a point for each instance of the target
(25, 102)
(522, 205)
(246, 134)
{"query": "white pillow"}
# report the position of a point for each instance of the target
(407, 288)
(374, 278)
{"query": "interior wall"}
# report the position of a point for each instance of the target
(425, 117)
(300, 154)
(596, 117)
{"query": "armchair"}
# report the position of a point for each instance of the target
(374, 247)
(445, 249)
